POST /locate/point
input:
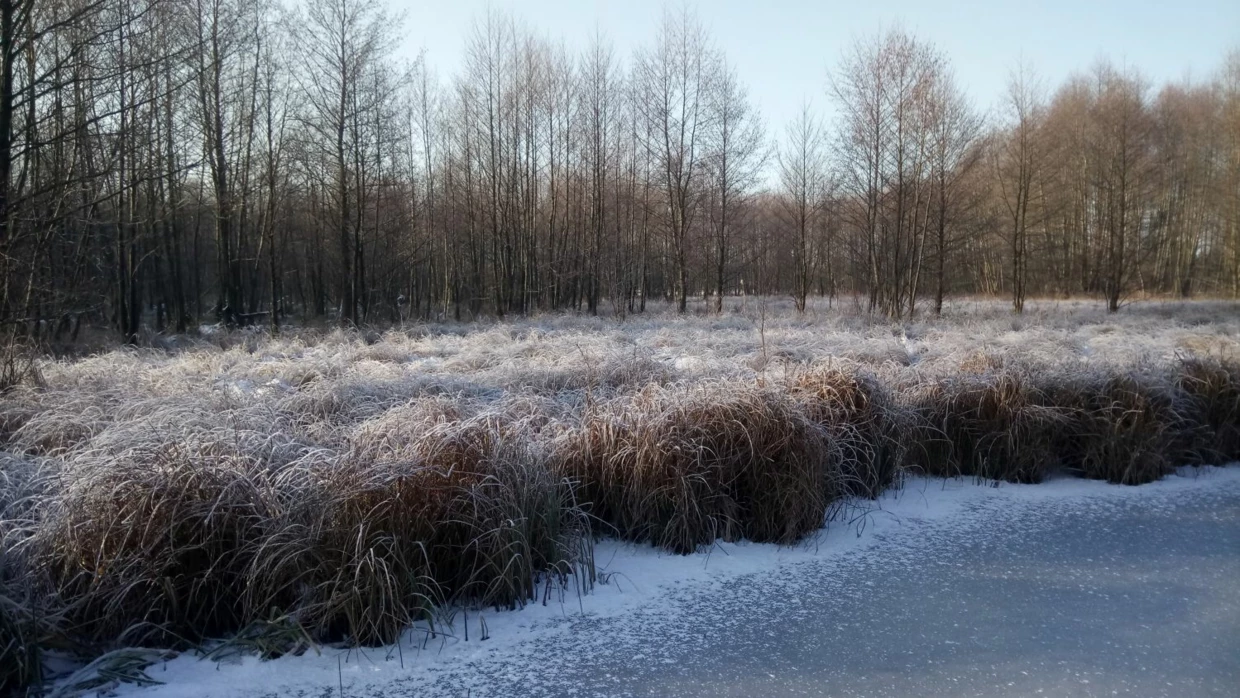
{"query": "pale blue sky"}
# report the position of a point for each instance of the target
(784, 48)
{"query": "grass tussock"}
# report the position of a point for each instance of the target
(458, 514)
(1122, 428)
(156, 536)
(682, 466)
(1213, 387)
(992, 424)
(189, 534)
(866, 431)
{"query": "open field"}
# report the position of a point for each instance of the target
(340, 487)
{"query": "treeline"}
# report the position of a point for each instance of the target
(169, 162)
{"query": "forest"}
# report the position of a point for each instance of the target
(168, 163)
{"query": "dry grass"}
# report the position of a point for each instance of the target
(338, 487)
(1213, 387)
(1122, 428)
(992, 424)
(27, 626)
(21, 661)
(685, 465)
(867, 432)
(152, 538)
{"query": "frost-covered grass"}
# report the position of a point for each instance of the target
(342, 487)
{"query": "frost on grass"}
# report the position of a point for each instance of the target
(342, 487)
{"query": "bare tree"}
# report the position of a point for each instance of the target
(274, 100)
(802, 172)
(676, 77)
(956, 131)
(1121, 136)
(1017, 163)
(740, 152)
(224, 33)
(1229, 191)
(599, 78)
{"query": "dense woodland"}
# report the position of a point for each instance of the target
(165, 163)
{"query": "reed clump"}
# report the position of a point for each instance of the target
(1212, 385)
(424, 510)
(682, 466)
(1118, 427)
(191, 533)
(992, 424)
(867, 432)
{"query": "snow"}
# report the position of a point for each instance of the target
(639, 582)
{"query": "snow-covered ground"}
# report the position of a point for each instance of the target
(941, 588)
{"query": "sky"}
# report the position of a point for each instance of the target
(784, 49)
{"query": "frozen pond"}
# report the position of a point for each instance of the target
(1063, 589)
